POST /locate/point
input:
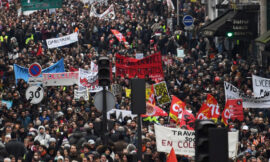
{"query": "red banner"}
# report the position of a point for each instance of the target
(233, 110)
(131, 67)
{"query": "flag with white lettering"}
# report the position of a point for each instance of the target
(233, 110)
(209, 109)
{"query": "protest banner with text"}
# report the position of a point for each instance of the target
(60, 79)
(150, 65)
(232, 92)
(62, 41)
(161, 92)
(261, 86)
(183, 141)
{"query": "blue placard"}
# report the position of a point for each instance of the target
(188, 20)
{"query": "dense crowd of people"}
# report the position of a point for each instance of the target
(61, 128)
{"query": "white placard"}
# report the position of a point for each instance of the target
(180, 53)
(62, 41)
(232, 141)
(261, 86)
(79, 94)
(139, 55)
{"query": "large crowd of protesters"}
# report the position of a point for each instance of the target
(63, 129)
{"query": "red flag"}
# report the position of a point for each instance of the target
(213, 105)
(204, 112)
(120, 37)
(177, 107)
(233, 110)
(152, 96)
(179, 114)
(39, 52)
(7, 5)
(172, 156)
(152, 110)
(187, 120)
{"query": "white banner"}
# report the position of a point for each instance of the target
(93, 1)
(60, 79)
(62, 41)
(108, 14)
(182, 141)
(231, 92)
(121, 114)
(261, 86)
(79, 94)
(88, 79)
(233, 143)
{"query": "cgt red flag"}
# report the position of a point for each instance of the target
(179, 114)
(120, 37)
(233, 110)
(172, 156)
(152, 110)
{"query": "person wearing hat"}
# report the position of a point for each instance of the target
(244, 132)
(86, 150)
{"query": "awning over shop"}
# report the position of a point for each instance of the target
(264, 38)
(214, 28)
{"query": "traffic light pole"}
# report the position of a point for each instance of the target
(104, 114)
(139, 153)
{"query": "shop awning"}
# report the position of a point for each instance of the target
(214, 28)
(264, 38)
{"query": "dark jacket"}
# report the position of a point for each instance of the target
(15, 148)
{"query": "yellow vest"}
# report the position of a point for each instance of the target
(2, 38)
(29, 38)
(151, 119)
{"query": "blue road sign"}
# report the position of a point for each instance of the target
(188, 20)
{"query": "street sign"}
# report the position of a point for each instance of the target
(188, 20)
(35, 69)
(34, 94)
(98, 101)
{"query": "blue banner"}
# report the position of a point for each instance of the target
(22, 72)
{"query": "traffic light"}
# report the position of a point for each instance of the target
(229, 34)
(104, 71)
(202, 145)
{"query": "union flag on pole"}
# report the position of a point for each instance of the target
(120, 37)
(233, 110)
(209, 109)
(179, 114)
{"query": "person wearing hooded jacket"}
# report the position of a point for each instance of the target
(42, 135)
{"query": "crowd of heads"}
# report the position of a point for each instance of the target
(61, 128)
